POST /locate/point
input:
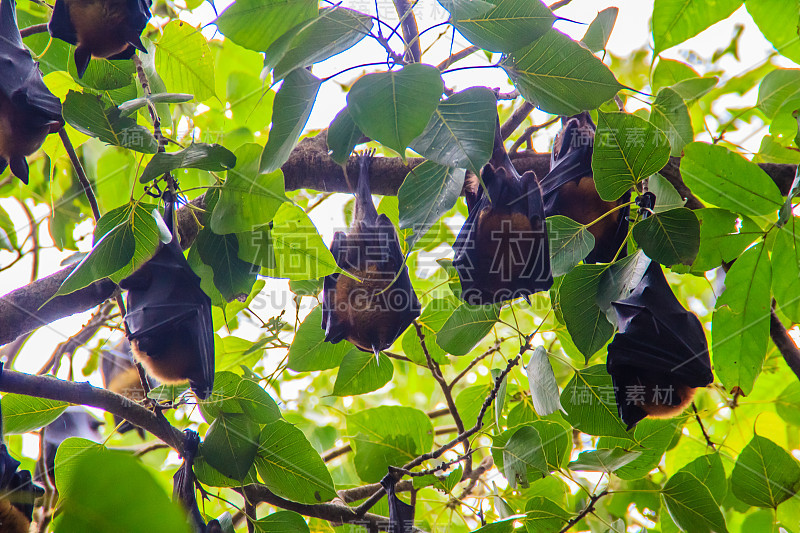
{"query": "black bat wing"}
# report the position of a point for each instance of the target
(401, 514)
(138, 15)
(164, 295)
(60, 25)
(17, 485)
(574, 165)
(183, 482)
(331, 325)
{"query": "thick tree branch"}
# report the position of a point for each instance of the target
(85, 394)
(784, 343)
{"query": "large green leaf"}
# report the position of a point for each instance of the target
(466, 327)
(598, 32)
(290, 467)
(290, 112)
(570, 243)
(88, 114)
(723, 237)
(543, 515)
(523, 454)
(560, 76)
(428, 191)
(669, 237)
(500, 25)
(66, 461)
(691, 505)
(674, 21)
(604, 460)
(309, 351)
(773, 18)
(780, 90)
(765, 474)
(105, 75)
(256, 24)
(670, 114)
(387, 435)
(362, 372)
(211, 157)
(142, 220)
(590, 404)
(461, 131)
(230, 444)
(728, 180)
(333, 31)
(586, 322)
(22, 413)
(184, 61)
(281, 522)
(709, 471)
(343, 135)
(627, 149)
(247, 199)
(740, 332)
(652, 437)
(395, 107)
(232, 276)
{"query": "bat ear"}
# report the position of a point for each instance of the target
(82, 58)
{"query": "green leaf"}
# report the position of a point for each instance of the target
(105, 75)
(560, 76)
(586, 322)
(281, 522)
(669, 237)
(570, 243)
(247, 199)
(723, 237)
(691, 505)
(728, 180)
(500, 399)
(627, 149)
(300, 253)
(668, 72)
(787, 403)
(290, 467)
(184, 61)
(395, 107)
(256, 403)
(309, 352)
(333, 31)
(66, 461)
(606, 460)
(775, 20)
(8, 235)
(232, 276)
(786, 268)
(466, 327)
(140, 220)
(667, 197)
(502, 25)
(256, 24)
(545, 516)
(652, 438)
(211, 157)
(290, 112)
(110, 254)
(740, 331)
(387, 435)
(590, 404)
(362, 372)
(256, 246)
(131, 106)
(675, 21)
(460, 133)
(230, 444)
(87, 114)
(709, 471)
(692, 89)
(670, 114)
(779, 91)
(596, 36)
(433, 317)
(428, 192)
(22, 413)
(523, 454)
(765, 474)
(469, 403)
(343, 136)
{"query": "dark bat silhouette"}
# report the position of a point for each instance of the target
(100, 28)
(168, 320)
(659, 355)
(401, 514)
(502, 251)
(28, 110)
(120, 375)
(184, 481)
(373, 312)
(569, 189)
(75, 421)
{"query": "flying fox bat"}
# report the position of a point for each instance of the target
(659, 356)
(168, 320)
(28, 110)
(120, 375)
(183, 485)
(17, 495)
(100, 28)
(502, 251)
(569, 190)
(75, 421)
(372, 312)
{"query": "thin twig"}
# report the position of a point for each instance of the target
(495, 348)
(702, 427)
(33, 235)
(588, 509)
(76, 163)
(530, 130)
(408, 23)
(151, 107)
(68, 347)
(458, 56)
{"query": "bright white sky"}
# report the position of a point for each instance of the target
(631, 32)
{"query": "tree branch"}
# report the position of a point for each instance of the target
(588, 509)
(784, 343)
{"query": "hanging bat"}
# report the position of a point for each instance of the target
(502, 251)
(372, 312)
(659, 356)
(75, 421)
(120, 375)
(183, 483)
(401, 514)
(100, 28)
(569, 190)
(168, 320)
(17, 495)
(28, 110)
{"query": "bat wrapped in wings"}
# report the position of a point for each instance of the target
(502, 250)
(109, 29)
(569, 190)
(28, 110)
(168, 320)
(659, 356)
(373, 311)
